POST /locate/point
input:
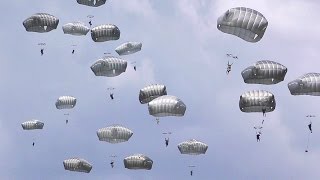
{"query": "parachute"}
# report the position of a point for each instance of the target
(92, 3)
(151, 92)
(248, 24)
(66, 102)
(192, 147)
(128, 48)
(256, 101)
(107, 32)
(166, 106)
(109, 66)
(138, 161)
(77, 164)
(41, 23)
(114, 134)
(264, 72)
(308, 84)
(75, 28)
(31, 125)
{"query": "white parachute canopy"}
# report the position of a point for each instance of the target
(264, 72)
(106, 32)
(166, 106)
(248, 24)
(32, 125)
(41, 23)
(92, 3)
(66, 102)
(308, 84)
(256, 101)
(128, 48)
(77, 164)
(75, 28)
(114, 134)
(109, 66)
(151, 92)
(138, 161)
(192, 147)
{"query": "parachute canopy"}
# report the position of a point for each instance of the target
(138, 161)
(192, 147)
(246, 23)
(107, 32)
(31, 125)
(92, 3)
(264, 72)
(109, 66)
(256, 100)
(75, 28)
(151, 92)
(308, 84)
(114, 134)
(66, 102)
(41, 23)
(166, 106)
(128, 48)
(77, 164)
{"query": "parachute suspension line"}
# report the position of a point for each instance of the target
(111, 92)
(259, 128)
(67, 117)
(307, 149)
(134, 65)
(230, 63)
(310, 131)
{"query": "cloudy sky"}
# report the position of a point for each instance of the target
(182, 49)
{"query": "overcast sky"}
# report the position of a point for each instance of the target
(182, 49)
